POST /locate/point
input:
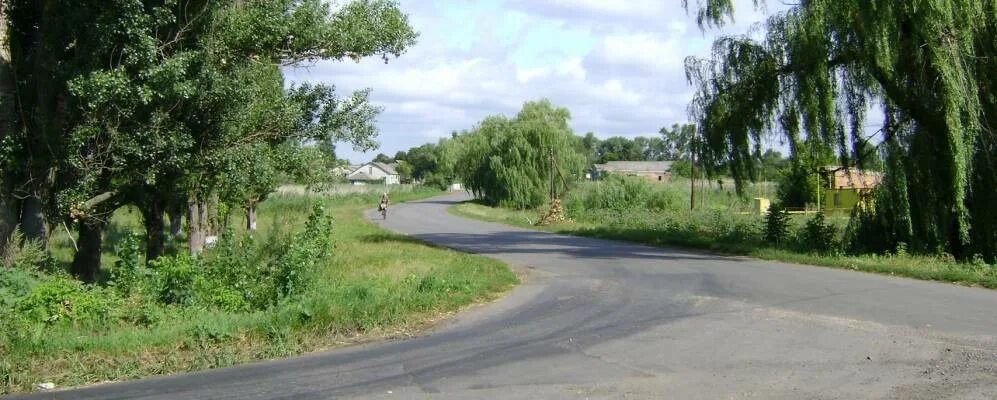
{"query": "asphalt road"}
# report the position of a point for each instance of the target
(607, 320)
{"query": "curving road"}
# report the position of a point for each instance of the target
(599, 319)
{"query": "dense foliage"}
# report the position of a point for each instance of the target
(170, 106)
(926, 65)
(296, 285)
(520, 162)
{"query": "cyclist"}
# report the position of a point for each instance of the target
(383, 206)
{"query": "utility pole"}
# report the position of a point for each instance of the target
(692, 165)
(553, 188)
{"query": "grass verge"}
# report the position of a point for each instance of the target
(645, 228)
(375, 285)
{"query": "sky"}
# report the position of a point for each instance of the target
(618, 66)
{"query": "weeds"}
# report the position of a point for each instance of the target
(299, 283)
(724, 224)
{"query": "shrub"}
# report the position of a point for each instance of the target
(776, 224)
(866, 232)
(176, 277)
(245, 274)
(21, 253)
(130, 274)
(16, 283)
(817, 235)
(294, 271)
(613, 193)
(63, 299)
(665, 200)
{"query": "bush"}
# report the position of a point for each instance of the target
(176, 277)
(817, 235)
(63, 299)
(20, 253)
(776, 224)
(619, 194)
(130, 274)
(16, 283)
(666, 200)
(294, 271)
(243, 274)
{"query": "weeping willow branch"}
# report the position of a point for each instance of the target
(824, 63)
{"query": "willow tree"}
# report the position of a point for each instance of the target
(926, 64)
(514, 162)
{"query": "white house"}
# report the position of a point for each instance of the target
(374, 172)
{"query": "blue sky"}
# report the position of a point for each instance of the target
(617, 65)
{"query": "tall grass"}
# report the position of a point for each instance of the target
(371, 284)
(658, 214)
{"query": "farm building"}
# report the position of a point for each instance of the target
(374, 172)
(654, 171)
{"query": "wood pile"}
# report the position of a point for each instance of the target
(554, 214)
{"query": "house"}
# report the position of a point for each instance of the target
(374, 172)
(343, 171)
(845, 187)
(654, 171)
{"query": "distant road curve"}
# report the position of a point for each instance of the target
(608, 320)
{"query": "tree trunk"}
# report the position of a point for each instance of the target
(8, 122)
(33, 219)
(175, 211)
(251, 217)
(155, 241)
(86, 262)
(202, 220)
(213, 221)
(8, 217)
(195, 227)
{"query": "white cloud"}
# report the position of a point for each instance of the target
(630, 81)
(614, 91)
(649, 52)
(572, 68)
(629, 8)
(525, 75)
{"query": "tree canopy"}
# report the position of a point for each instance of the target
(169, 103)
(514, 162)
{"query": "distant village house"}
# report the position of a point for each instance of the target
(653, 171)
(374, 172)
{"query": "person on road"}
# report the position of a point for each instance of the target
(383, 206)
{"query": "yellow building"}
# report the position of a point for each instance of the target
(845, 187)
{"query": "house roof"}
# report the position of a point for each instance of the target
(635, 166)
(853, 178)
(362, 176)
(358, 169)
(387, 168)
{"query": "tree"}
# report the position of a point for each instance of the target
(153, 99)
(823, 63)
(772, 165)
(590, 144)
(383, 158)
(514, 162)
(867, 156)
(404, 169)
(619, 148)
(677, 141)
(9, 207)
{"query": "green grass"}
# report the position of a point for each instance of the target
(723, 225)
(375, 285)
